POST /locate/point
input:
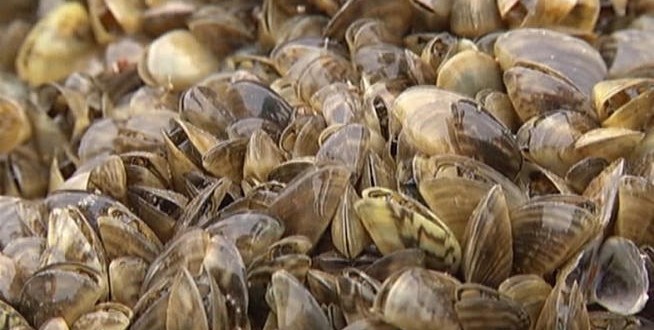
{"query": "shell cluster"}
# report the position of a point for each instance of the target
(326, 164)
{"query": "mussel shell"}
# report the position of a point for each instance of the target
(356, 293)
(634, 219)
(284, 293)
(185, 305)
(166, 16)
(307, 204)
(72, 239)
(538, 181)
(251, 232)
(84, 286)
(22, 174)
(185, 251)
(499, 105)
(565, 307)
(534, 91)
(380, 62)
(475, 18)
(627, 53)
(201, 106)
(226, 158)
(11, 282)
(396, 15)
(603, 191)
(440, 122)
(21, 219)
(549, 139)
(569, 57)
(322, 286)
(583, 172)
(57, 46)
(530, 291)
(111, 17)
(288, 53)
(207, 203)
(348, 234)
(124, 234)
(606, 320)
(11, 318)
(455, 166)
(110, 315)
(622, 282)
(55, 323)
(395, 221)
(192, 61)
(158, 208)
(126, 276)
(368, 31)
(219, 28)
(445, 180)
(438, 193)
(369, 324)
(488, 252)
(385, 266)
(469, 72)
(480, 307)
(223, 262)
(609, 143)
(619, 97)
(417, 298)
(257, 100)
(339, 103)
(547, 233)
(16, 127)
(146, 169)
(348, 146)
(25, 253)
(318, 71)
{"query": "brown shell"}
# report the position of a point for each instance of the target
(440, 122)
(488, 252)
(548, 232)
(569, 57)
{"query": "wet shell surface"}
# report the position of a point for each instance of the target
(326, 164)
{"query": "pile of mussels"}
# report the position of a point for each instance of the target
(326, 164)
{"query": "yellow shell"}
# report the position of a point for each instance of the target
(56, 46)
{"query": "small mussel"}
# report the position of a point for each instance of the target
(417, 298)
(437, 122)
(395, 221)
